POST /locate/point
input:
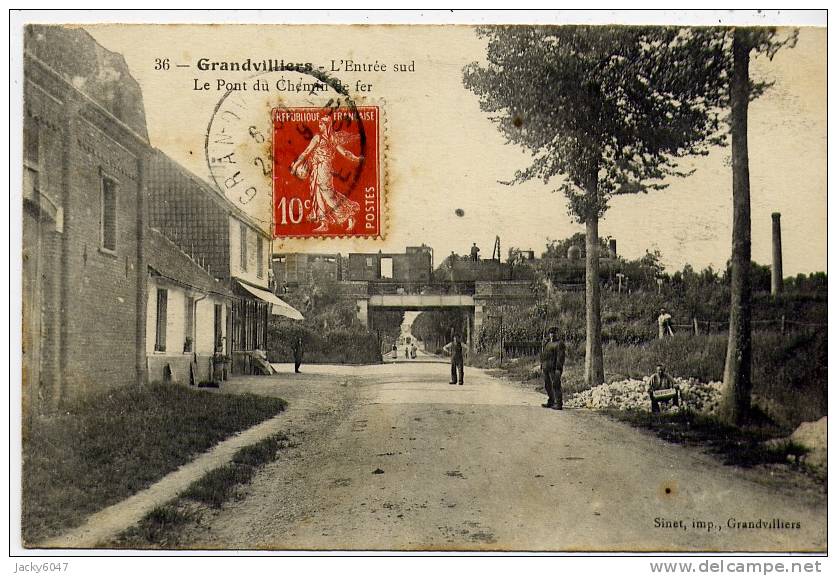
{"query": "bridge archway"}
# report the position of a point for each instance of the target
(467, 325)
(472, 297)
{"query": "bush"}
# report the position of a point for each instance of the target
(789, 372)
(337, 346)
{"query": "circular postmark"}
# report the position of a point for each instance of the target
(297, 154)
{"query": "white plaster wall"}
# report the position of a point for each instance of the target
(175, 318)
(252, 252)
(205, 324)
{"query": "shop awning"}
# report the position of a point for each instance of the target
(279, 307)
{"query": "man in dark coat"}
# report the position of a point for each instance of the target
(299, 352)
(552, 366)
(457, 361)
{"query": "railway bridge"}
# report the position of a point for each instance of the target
(475, 297)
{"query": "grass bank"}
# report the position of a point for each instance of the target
(790, 381)
(162, 527)
(107, 447)
(748, 446)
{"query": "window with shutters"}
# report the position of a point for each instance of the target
(162, 319)
(242, 241)
(108, 214)
(218, 335)
(259, 257)
(31, 161)
(189, 326)
(32, 143)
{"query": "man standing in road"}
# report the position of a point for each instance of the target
(299, 352)
(457, 361)
(552, 366)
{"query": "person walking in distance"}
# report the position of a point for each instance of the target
(552, 366)
(298, 351)
(664, 324)
(457, 361)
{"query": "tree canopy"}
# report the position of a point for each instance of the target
(611, 109)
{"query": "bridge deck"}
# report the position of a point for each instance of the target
(421, 301)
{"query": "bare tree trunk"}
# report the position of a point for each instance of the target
(593, 360)
(737, 371)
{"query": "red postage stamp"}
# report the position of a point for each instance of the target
(326, 171)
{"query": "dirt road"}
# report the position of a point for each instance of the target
(392, 457)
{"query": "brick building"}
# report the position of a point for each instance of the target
(415, 264)
(85, 149)
(92, 187)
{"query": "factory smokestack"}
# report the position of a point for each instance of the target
(776, 270)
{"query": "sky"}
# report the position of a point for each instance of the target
(443, 155)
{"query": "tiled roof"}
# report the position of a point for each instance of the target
(167, 260)
(164, 166)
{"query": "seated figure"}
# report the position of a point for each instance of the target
(662, 389)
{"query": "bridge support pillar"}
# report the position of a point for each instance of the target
(363, 311)
(477, 325)
(468, 333)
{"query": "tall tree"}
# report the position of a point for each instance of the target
(608, 110)
(738, 366)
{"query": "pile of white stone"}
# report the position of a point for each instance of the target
(632, 394)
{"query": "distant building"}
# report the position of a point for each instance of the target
(84, 167)
(415, 264)
(293, 268)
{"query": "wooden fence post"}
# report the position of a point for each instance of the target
(697, 330)
(782, 329)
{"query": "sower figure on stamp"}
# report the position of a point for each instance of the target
(299, 352)
(662, 388)
(328, 206)
(552, 365)
(457, 361)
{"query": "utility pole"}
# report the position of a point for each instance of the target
(776, 278)
(501, 339)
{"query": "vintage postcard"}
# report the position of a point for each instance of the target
(518, 288)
